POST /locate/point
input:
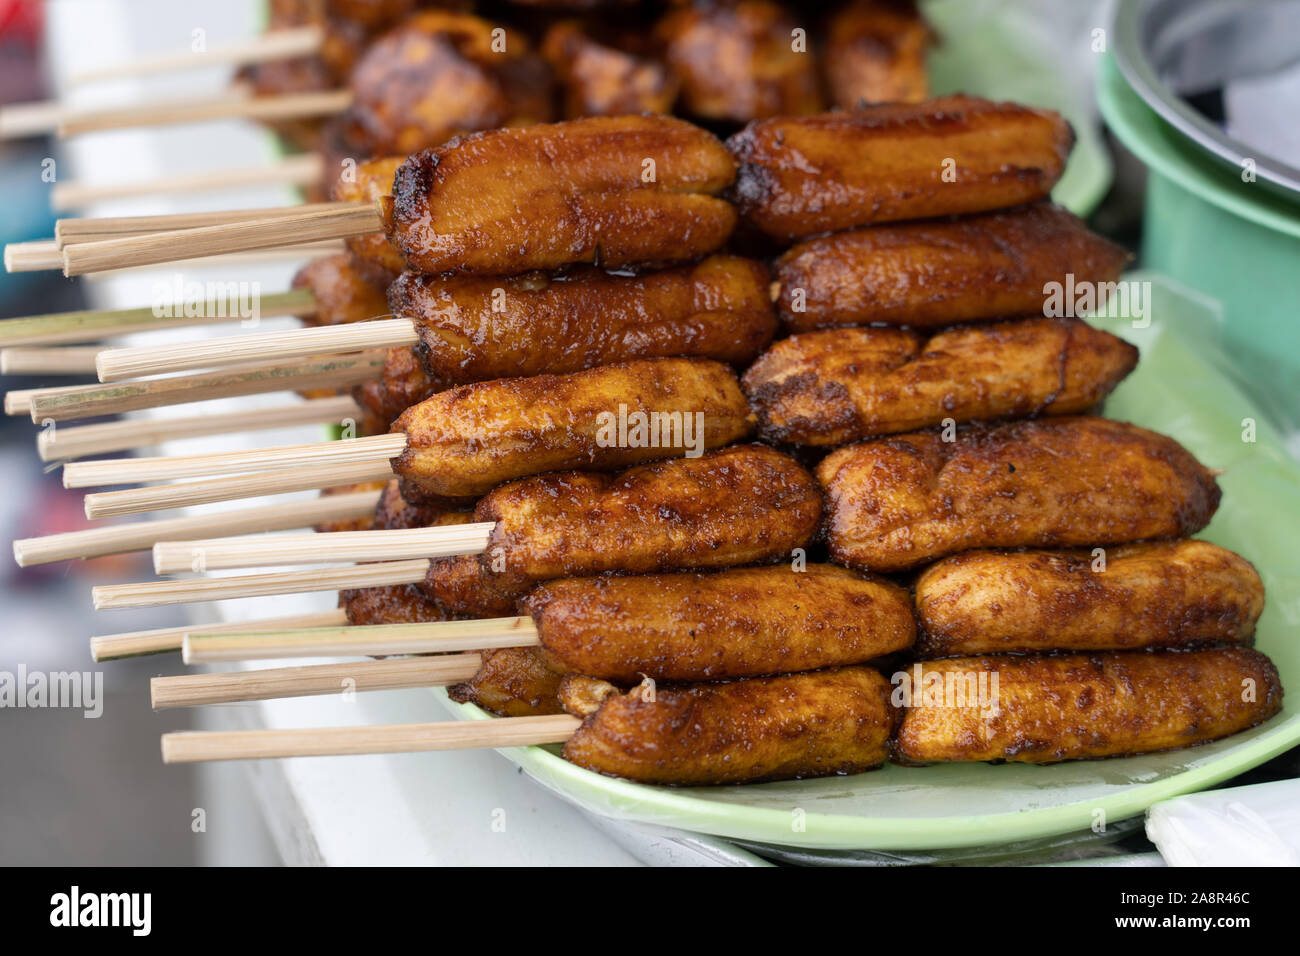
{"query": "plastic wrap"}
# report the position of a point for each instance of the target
(1239, 826)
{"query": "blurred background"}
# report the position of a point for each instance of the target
(77, 790)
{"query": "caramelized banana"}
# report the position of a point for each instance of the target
(613, 191)
(737, 62)
(473, 329)
(440, 74)
(395, 604)
(601, 80)
(899, 502)
(467, 440)
(875, 53)
(513, 682)
(765, 728)
(830, 388)
(1075, 706)
(346, 289)
(1161, 594)
(956, 154)
(921, 274)
(743, 622)
(404, 383)
(369, 183)
(403, 603)
(394, 511)
(739, 505)
(463, 586)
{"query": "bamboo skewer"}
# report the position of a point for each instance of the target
(143, 535)
(305, 169)
(74, 360)
(35, 256)
(62, 444)
(338, 222)
(367, 640)
(159, 593)
(260, 257)
(111, 504)
(31, 119)
(61, 328)
(201, 745)
(267, 109)
(87, 401)
(333, 547)
(163, 640)
(189, 690)
(114, 365)
(126, 471)
(71, 231)
(281, 44)
(198, 237)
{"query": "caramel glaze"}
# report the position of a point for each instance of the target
(469, 439)
(767, 728)
(736, 62)
(403, 603)
(743, 622)
(439, 74)
(346, 289)
(465, 588)
(541, 197)
(404, 383)
(743, 504)
(395, 511)
(807, 175)
(1158, 594)
(1074, 706)
(599, 79)
(391, 604)
(513, 682)
(370, 182)
(842, 385)
(875, 53)
(473, 328)
(896, 503)
(940, 272)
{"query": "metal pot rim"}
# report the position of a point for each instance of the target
(1128, 30)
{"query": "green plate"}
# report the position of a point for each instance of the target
(1175, 390)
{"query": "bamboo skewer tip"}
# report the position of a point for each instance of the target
(339, 222)
(123, 363)
(171, 557)
(276, 683)
(196, 746)
(165, 640)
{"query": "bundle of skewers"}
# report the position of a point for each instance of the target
(558, 507)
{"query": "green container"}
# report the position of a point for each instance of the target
(1236, 242)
